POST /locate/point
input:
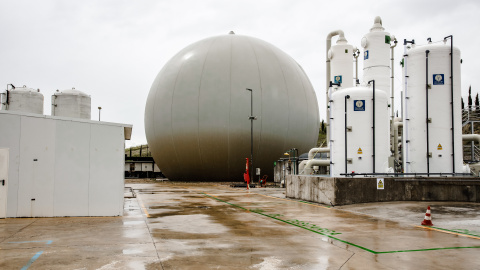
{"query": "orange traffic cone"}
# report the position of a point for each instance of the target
(428, 218)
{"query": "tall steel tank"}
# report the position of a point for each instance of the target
(71, 103)
(197, 112)
(23, 99)
(432, 129)
(357, 144)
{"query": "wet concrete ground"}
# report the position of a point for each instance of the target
(212, 226)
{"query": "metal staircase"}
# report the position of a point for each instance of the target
(470, 116)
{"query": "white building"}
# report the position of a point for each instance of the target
(59, 166)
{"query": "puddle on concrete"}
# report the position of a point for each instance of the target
(135, 222)
(198, 223)
(131, 251)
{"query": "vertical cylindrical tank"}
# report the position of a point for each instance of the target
(23, 99)
(428, 142)
(376, 56)
(341, 63)
(71, 103)
(352, 148)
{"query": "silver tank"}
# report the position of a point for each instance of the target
(197, 112)
(23, 99)
(71, 103)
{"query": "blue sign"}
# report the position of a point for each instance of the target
(438, 79)
(365, 55)
(359, 105)
(338, 79)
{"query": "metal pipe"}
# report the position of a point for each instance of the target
(314, 162)
(251, 117)
(471, 138)
(414, 174)
(426, 109)
(392, 94)
(296, 160)
(405, 105)
(356, 53)
(451, 100)
(373, 127)
(327, 79)
(346, 159)
(314, 151)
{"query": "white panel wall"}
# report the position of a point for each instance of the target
(71, 169)
(10, 138)
(106, 172)
(4, 181)
(37, 163)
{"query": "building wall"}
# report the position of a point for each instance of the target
(63, 166)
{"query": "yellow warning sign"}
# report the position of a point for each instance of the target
(380, 184)
(439, 147)
(359, 151)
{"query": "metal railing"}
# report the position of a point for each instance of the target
(470, 114)
(467, 153)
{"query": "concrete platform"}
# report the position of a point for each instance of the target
(348, 190)
(212, 226)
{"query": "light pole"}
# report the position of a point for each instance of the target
(99, 109)
(251, 117)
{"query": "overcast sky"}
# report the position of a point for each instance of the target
(113, 49)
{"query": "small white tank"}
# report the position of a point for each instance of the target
(359, 140)
(71, 103)
(341, 63)
(23, 99)
(441, 147)
(376, 56)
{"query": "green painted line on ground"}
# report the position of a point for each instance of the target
(260, 212)
(425, 249)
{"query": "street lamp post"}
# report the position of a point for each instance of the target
(251, 117)
(99, 109)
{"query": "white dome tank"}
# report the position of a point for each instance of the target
(23, 99)
(341, 63)
(440, 142)
(358, 102)
(197, 112)
(376, 56)
(71, 103)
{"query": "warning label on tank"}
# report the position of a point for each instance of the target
(359, 151)
(438, 79)
(365, 55)
(439, 147)
(338, 79)
(359, 105)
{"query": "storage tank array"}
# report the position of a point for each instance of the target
(359, 125)
(432, 129)
(67, 103)
(22, 99)
(359, 118)
(71, 103)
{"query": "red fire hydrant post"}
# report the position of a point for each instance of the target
(246, 174)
